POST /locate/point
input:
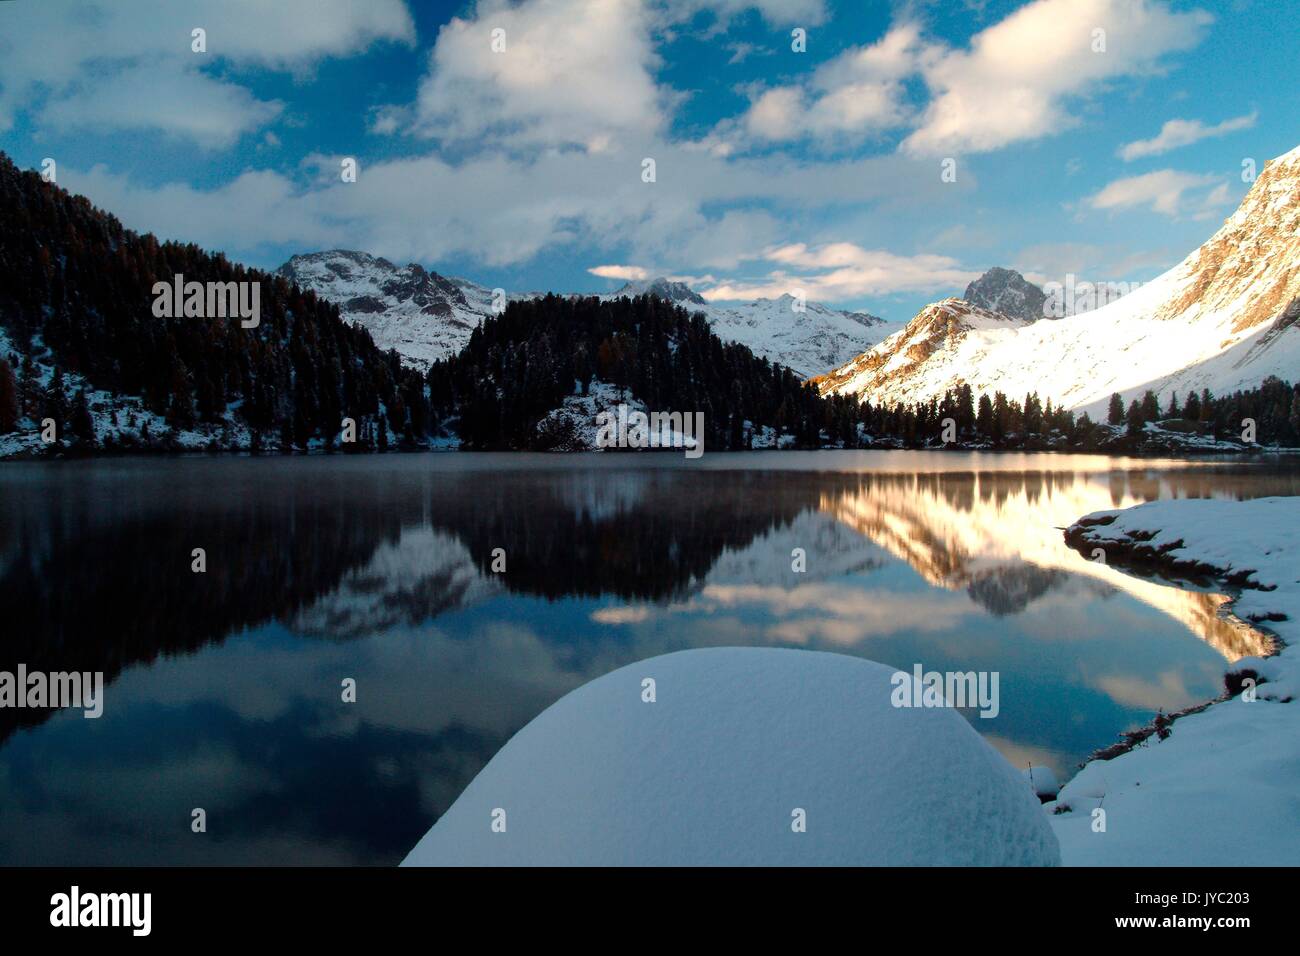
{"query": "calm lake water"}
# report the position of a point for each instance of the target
(224, 688)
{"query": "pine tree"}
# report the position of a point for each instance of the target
(30, 395)
(55, 404)
(82, 424)
(984, 418)
(1150, 407)
(1115, 414)
(9, 405)
(1134, 419)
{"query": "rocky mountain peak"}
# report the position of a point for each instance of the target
(1007, 292)
(662, 287)
(423, 315)
(361, 283)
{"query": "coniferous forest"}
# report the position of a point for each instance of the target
(80, 286)
(76, 306)
(522, 364)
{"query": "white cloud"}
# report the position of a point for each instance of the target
(777, 114)
(1179, 132)
(742, 51)
(1016, 81)
(627, 273)
(704, 212)
(255, 207)
(1163, 190)
(859, 92)
(1017, 77)
(181, 102)
(573, 72)
(64, 53)
(842, 271)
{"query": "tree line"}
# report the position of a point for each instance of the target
(1271, 411)
(77, 302)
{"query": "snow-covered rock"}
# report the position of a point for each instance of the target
(744, 756)
(1221, 786)
(1225, 318)
(573, 426)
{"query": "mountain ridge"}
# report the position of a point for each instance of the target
(1223, 319)
(426, 316)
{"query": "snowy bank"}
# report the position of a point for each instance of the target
(1220, 786)
(743, 756)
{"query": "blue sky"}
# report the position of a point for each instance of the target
(1106, 154)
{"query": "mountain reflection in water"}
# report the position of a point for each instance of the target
(223, 687)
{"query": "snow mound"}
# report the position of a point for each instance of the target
(746, 756)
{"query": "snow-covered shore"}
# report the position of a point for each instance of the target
(1220, 786)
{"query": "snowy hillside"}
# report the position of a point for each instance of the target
(1224, 319)
(808, 342)
(931, 347)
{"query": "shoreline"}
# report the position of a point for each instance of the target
(1232, 455)
(1185, 757)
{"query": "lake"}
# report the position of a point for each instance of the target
(224, 688)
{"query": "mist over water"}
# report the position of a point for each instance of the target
(223, 688)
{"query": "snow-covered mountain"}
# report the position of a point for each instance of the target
(930, 347)
(669, 289)
(421, 314)
(807, 341)
(1225, 318)
(426, 316)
